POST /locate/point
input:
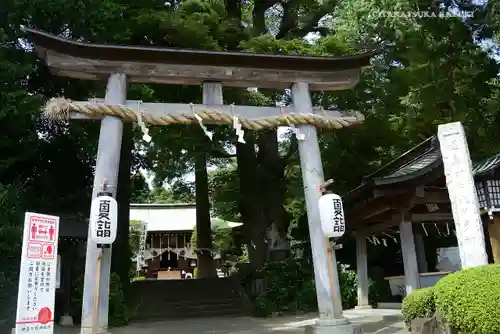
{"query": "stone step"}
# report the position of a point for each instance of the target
(168, 292)
(185, 314)
(188, 282)
(165, 300)
(194, 302)
(207, 286)
(217, 305)
(180, 296)
(173, 311)
(228, 305)
(184, 297)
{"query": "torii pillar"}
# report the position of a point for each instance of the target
(107, 166)
(326, 280)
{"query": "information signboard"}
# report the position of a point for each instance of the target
(37, 278)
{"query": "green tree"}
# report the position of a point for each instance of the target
(140, 189)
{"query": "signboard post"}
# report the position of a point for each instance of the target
(37, 278)
(463, 196)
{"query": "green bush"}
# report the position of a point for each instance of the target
(420, 303)
(469, 300)
(283, 283)
(306, 300)
(348, 286)
(290, 287)
(286, 284)
(119, 312)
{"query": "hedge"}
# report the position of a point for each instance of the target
(469, 300)
(420, 303)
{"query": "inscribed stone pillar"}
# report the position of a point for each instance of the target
(463, 197)
(362, 271)
(412, 278)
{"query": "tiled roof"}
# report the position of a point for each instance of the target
(414, 168)
(486, 166)
(416, 162)
(413, 163)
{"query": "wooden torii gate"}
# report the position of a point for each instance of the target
(120, 65)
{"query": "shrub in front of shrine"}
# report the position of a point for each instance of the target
(420, 303)
(289, 287)
(469, 300)
(348, 286)
(119, 311)
(282, 282)
(306, 300)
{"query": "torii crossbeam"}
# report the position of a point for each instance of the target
(121, 64)
(253, 118)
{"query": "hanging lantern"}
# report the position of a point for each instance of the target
(331, 214)
(103, 220)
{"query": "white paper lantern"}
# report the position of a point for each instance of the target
(103, 220)
(331, 214)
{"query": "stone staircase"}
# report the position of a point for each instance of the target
(177, 299)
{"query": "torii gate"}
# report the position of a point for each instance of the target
(122, 64)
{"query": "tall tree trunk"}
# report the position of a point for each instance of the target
(272, 179)
(121, 256)
(206, 267)
(252, 214)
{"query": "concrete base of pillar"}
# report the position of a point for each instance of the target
(363, 307)
(342, 329)
(89, 331)
(333, 326)
(66, 321)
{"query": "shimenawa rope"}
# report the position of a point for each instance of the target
(59, 109)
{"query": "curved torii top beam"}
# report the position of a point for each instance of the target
(191, 67)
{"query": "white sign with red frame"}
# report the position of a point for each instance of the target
(37, 279)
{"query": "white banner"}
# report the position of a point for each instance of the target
(37, 279)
